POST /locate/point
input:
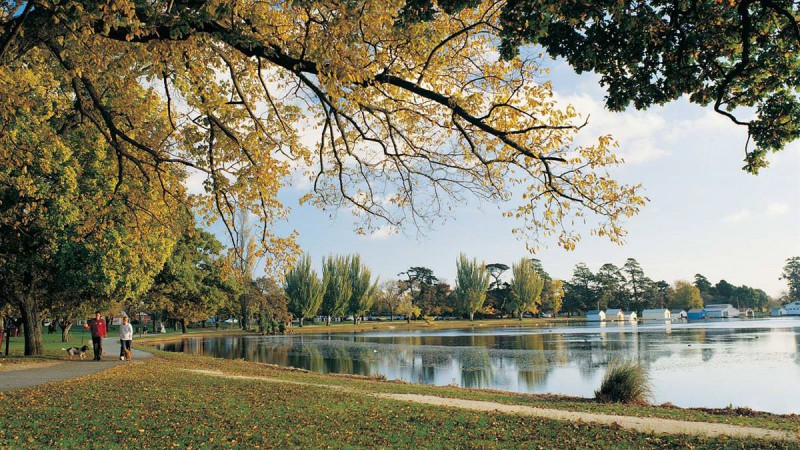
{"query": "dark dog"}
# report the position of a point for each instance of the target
(73, 351)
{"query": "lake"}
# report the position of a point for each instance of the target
(750, 363)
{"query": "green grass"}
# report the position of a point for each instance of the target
(157, 403)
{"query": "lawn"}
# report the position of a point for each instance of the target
(159, 402)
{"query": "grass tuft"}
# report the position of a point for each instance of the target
(625, 382)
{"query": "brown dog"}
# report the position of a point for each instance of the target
(128, 355)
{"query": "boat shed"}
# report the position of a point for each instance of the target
(630, 316)
(696, 314)
(595, 316)
(721, 311)
(656, 314)
(677, 314)
(615, 315)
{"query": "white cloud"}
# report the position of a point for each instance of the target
(738, 216)
(194, 182)
(637, 132)
(776, 209)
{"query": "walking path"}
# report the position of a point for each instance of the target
(18, 379)
(642, 424)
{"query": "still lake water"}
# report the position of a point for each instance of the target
(752, 363)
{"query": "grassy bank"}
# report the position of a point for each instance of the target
(162, 403)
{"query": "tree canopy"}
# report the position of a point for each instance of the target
(731, 54)
(400, 119)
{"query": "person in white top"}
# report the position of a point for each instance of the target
(125, 338)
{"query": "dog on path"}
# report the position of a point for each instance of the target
(77, 351)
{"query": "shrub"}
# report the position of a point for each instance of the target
(625, 382)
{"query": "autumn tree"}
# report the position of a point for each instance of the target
(303, 289)
(791, 273)
(472, 282)
(526, 287)
(338, 287)
(685, 295)
(387, 105)
(271, 302)
(553, 297)
(389, 296)
(362, 288)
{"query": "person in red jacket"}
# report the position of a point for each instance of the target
(98, 328)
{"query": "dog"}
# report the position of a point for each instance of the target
(127, 355)
(77, 351)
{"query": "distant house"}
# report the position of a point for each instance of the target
(696, 314)
(677, 314)
(792, 309)
(777, 312)
(630, 316)
(655, 314)
(721, 311)
(595, 316)
(615, 314)
(747, 312)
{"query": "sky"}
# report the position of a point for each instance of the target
(705, 214)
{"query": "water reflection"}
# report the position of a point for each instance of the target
(713, 364)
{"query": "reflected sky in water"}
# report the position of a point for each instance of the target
(753, 363)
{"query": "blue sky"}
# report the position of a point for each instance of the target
(705, 215)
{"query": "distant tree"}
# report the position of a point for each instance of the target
(791, 273)
(685, 295)
(580, 293)
(552, 299)
(407, 308)
(705, 287)
(638, 285)
(303, 289)
(472, 281)
(662, 292)
(526, 287)
(611, 287)
(435, 299)
(271, 302)
(338, 288)
(389, 297)
(362, 288)
(243, 260)
(191, 286)
(723, 291)
(417, 276)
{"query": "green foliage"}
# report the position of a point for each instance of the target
(526, 287)
(191, 286)
(362, 288)
(625, 382)
(303, 289)
(338, 288)
(472, 281)
(791, 273)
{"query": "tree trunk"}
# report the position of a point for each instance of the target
(471, 316)
(408, 318)
(183, 326)
(391, 314)
(520, 316)
(65, 326)
(328, 321)
(33, 327)
(301, 322)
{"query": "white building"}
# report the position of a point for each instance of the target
(721, 311)
(595, 316)
(656, 314)
(777, 312)
(792, 309)
(630, 316)
(615, 314)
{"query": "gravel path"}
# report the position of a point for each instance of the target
(18, 379)
(643, 424)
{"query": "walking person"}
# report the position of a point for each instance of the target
(125, 338)
(97, 326)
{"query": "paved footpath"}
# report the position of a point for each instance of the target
(18, 379)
